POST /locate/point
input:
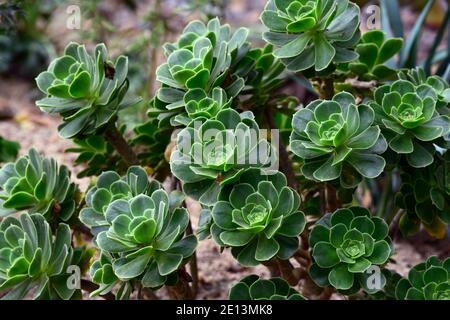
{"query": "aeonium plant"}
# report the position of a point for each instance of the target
(374, 52)
(37, 184)
(201, 60)
(338, 139)
(259, 219)
(213, 153)
(31, 260)
(410, 120)
(345, 244)
(429, 280)
(141, 236)
(277, 184)
(312, 34)
(86, 90)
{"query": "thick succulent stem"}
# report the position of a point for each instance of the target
(385, 196)
(287, 272)
(285, 161)
(332, 203)
(181, 290)
(149, 294)
(326, 89)
(88, 286)
(273, 268)
(193, 264)
(115, 138)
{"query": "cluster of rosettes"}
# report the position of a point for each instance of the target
(254, 288)
(312, 33)
(258, 218)
(198, 62)
(336, 139)
(37, 184)
(139, 229)
(345, 245)
(86, 90)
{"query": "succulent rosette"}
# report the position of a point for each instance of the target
(86, 90)
(254, 288)
(259, 219)
(37, 184)
(374, 52)
(111, 186)
(31, 260)
(429, 280)
(201, 60)
(439, 85)
(338, 139)
(139, 229)
(211, 154)
(345, 245)
(410, 121)
(312, 33)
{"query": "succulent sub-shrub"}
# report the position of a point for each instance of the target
(254, 288)
(37, 184)
(312, 186)
(87, 90)
(31, 259)
(338, 139)
(197, 63)
(345, 244)
(374, 52)
(410, 120)
(312, 33)
(138, 230)
(214, 153)
(429, 280)
(259, 219)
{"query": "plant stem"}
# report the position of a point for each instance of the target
(193, 264)
(326, 89)
(115, 138)
(273, 268)
(88, 286)
(181, 290)
(149, 294)
(285, 161)
(287, 272)
(385, 195)
(394, 224)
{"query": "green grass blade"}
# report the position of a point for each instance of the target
(409, 53)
